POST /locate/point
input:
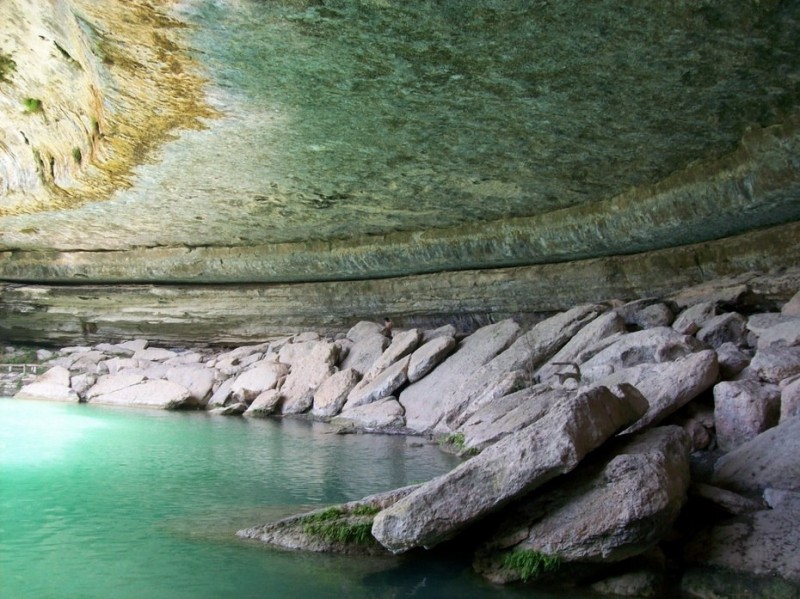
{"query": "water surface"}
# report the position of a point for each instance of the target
(118, 503)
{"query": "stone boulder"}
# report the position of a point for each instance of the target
(771, 460)
(154, 354)
(724, 328)
(307, 336)
(645, 478)
(81, 383)
(261, 376)
(308, 532)
(308, 371)
(53, 385)
(198, 379)
(134, 345)
(114, 349)
(233, 362)
(743, 410)
(363, 330)
(731, 291)
(775, 363)
(656, 315)
(423, 401)
(383, 385)
(403, 343)
(601, 330)
(117, 364)
(429, 356)
(109, 383)
(526, 355)
(509, 469)
(88, 361)
(232, 409)
(330, 396)
(646, 313)
(186, 358)
(153, 370)
(730, 502)
(760, 323)
(160, 394)
(792, 307)
(668, 386)
(693, 318)
(661, 344)
(265, 404)
(756, 551)
(790, 398)
(366, 349)
(221, 395)
(507, 415)
(382, 415)
(642, 576)
(447, 330)
(732, 360)
(785, 333)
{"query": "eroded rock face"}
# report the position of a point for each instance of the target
(89, 114)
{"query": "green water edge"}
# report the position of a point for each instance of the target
(117, 503)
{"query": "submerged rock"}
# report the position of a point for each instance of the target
(336, 529)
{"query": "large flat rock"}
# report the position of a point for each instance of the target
(514, 466)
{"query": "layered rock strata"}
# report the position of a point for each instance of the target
(80, 313)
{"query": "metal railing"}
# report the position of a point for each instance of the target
(22, 368)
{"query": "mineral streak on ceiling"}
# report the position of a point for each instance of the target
(334, 125)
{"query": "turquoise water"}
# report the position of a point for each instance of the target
(116, 503)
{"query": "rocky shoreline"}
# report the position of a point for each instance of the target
(627, 448)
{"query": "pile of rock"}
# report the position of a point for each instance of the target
(598, 438)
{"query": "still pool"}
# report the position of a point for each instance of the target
(114, 503)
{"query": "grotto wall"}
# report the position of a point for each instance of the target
(195, 169)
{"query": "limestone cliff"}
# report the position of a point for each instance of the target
(367, 146)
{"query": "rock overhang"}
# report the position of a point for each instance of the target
(362, 119)
(340, 141)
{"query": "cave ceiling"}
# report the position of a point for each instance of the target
(334, 121)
